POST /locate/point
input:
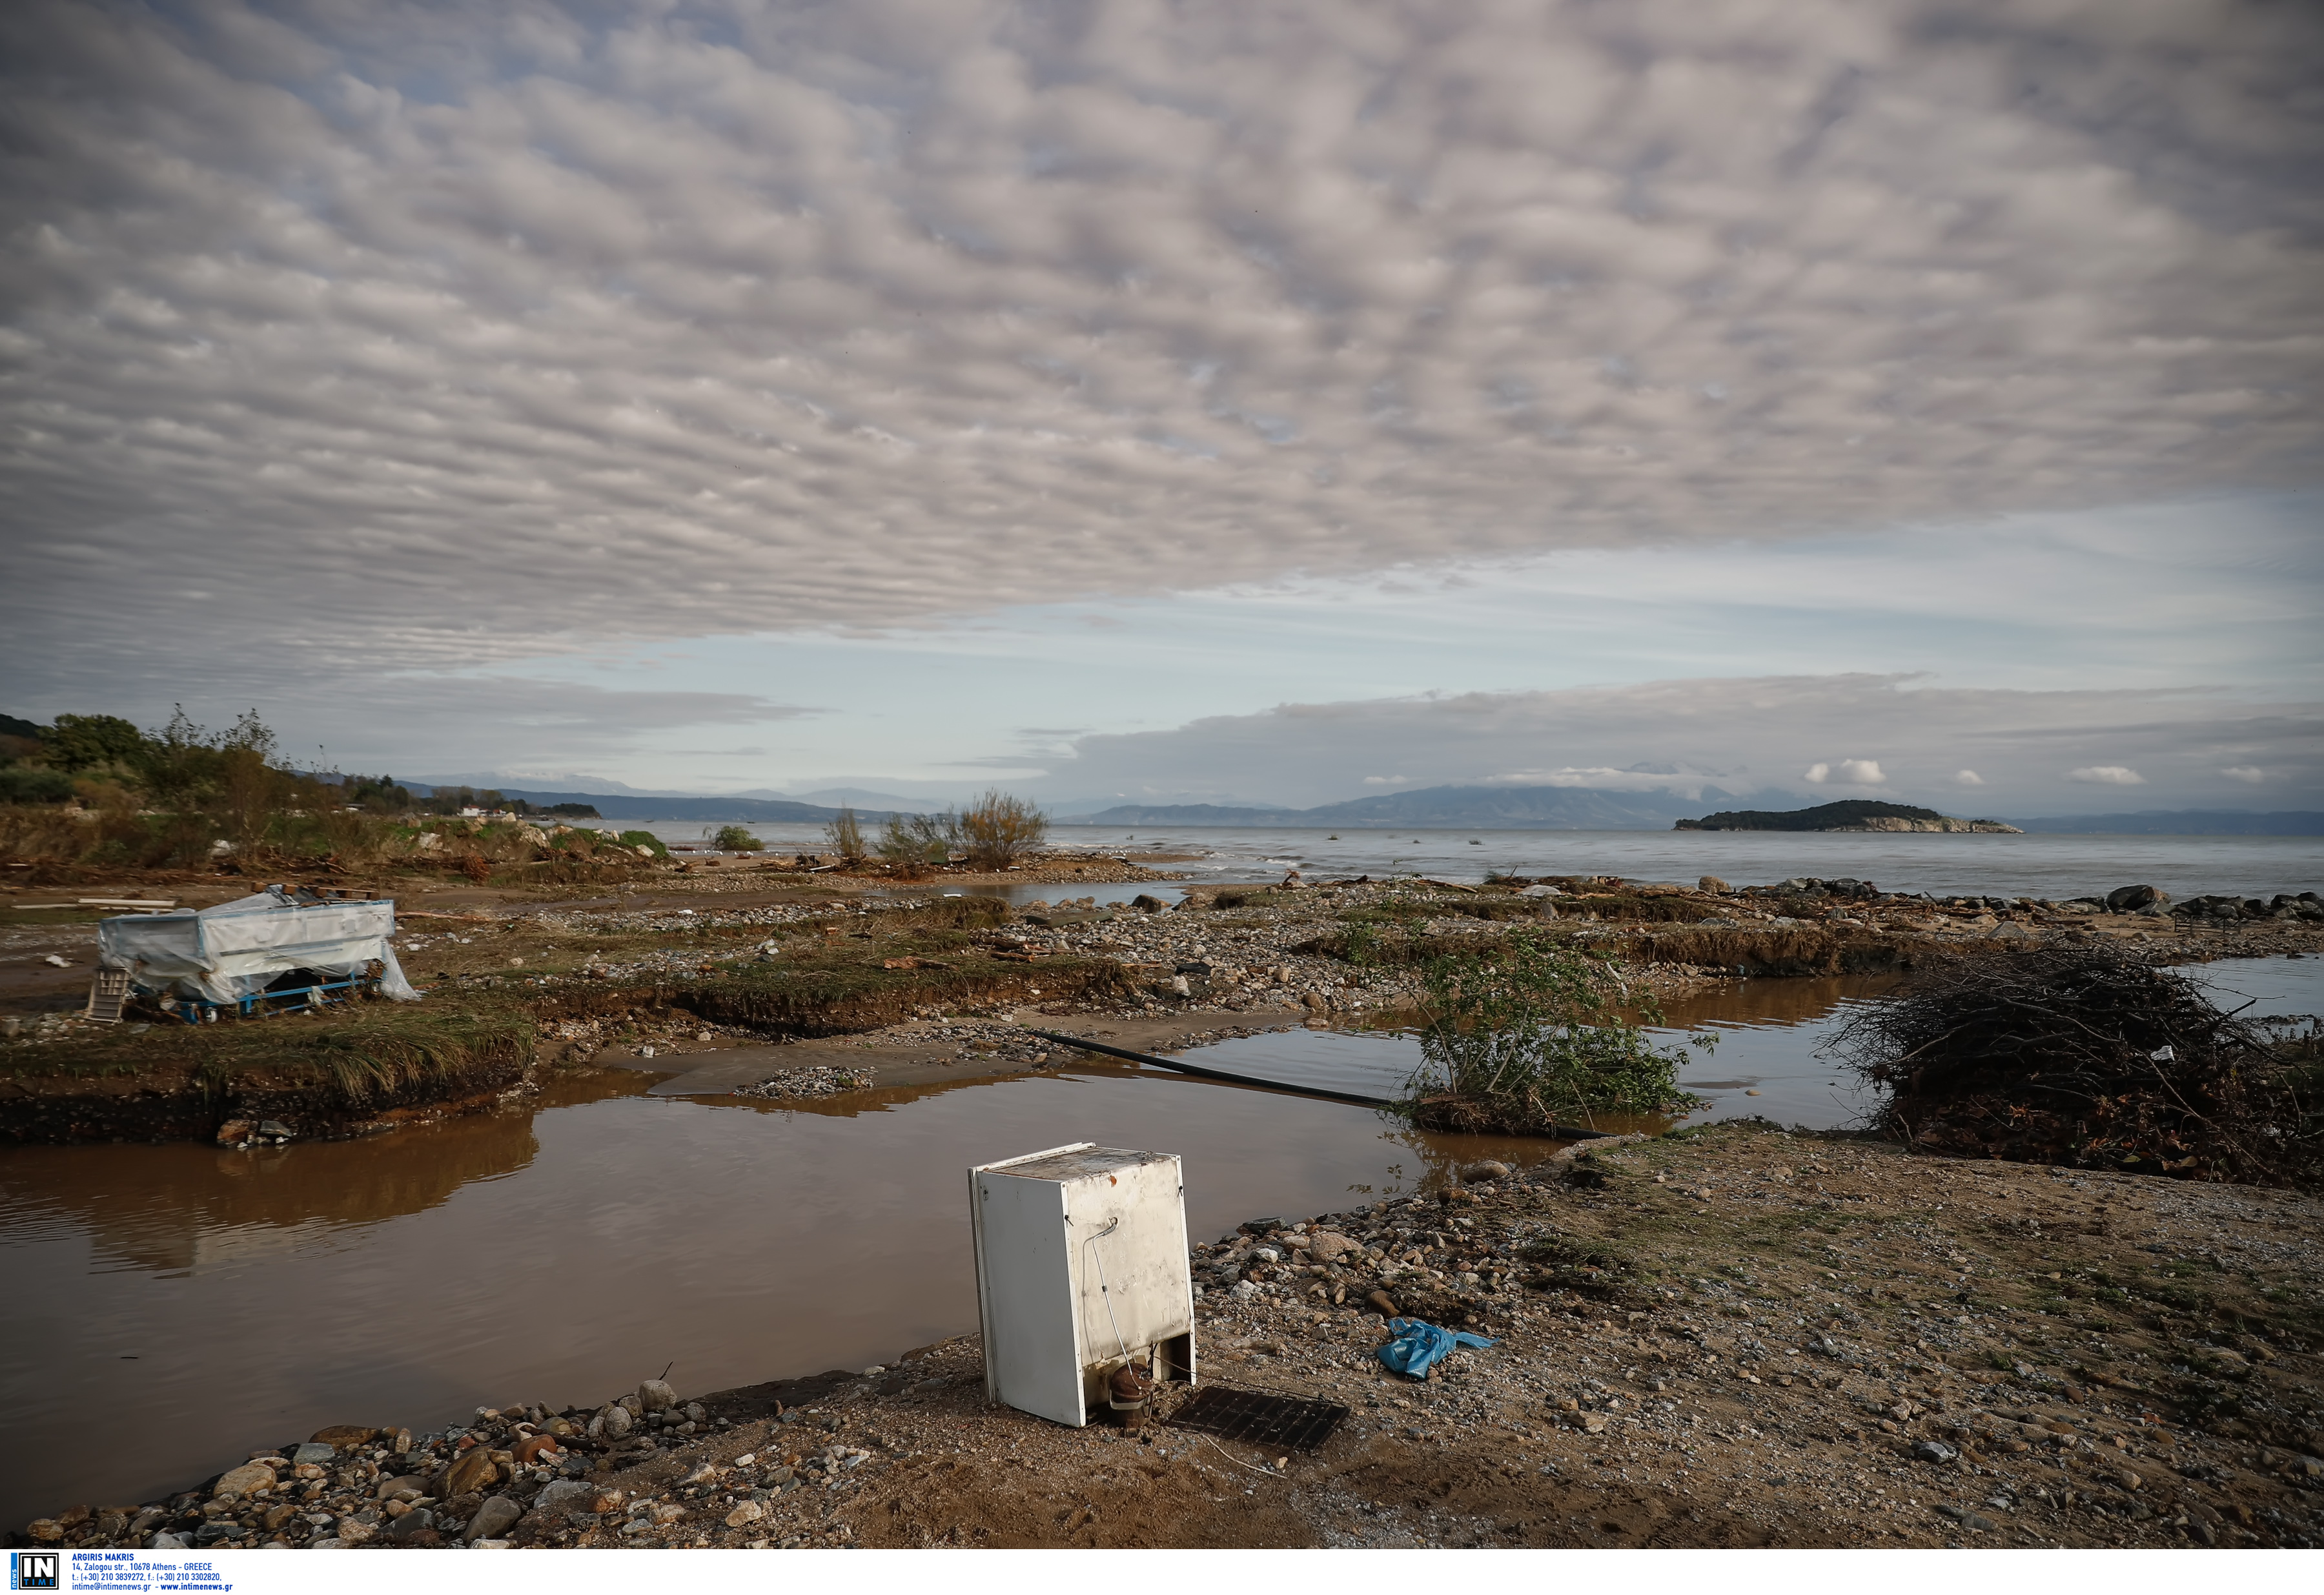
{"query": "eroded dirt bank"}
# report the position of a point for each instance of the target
(1736, 1336)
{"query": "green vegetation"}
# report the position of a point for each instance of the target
(92, 792)
(735, 839)
(1530, 1034)
(999, 829)
(845, 835)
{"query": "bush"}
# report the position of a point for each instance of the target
(845, 835)
(910, 842)
(1527, 1036)
(736, 839)
(646, 839)
(22, 783)
(999, 829)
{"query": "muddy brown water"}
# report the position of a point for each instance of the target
(169, 1309)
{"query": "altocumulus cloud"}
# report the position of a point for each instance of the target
(421, 336)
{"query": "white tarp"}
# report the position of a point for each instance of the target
(235, 949)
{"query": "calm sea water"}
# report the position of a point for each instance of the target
(1989, 866)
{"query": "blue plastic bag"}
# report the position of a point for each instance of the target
(1419, 1346)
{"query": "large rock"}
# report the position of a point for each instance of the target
(747, 1512)
(343, 1436)
(2129, 900)
(564, 1495)
(616, 1419)
(247, 1479)
(478, 1470)
(313, 1451)
(417, 1520)
(493, 1519)
(654, 1395)
(1327, 1246)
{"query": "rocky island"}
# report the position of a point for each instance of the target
(1851, 814)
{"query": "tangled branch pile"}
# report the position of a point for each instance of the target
(2086, 1058)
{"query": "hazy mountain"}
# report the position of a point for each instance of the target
(1501, 808)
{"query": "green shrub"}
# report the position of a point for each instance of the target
(1531, 1034)
(22, 783)
(736, 839)
(646, 839)
(845, 835)
(999, 829)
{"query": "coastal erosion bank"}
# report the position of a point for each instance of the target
(808, 986)
(1736, 1336)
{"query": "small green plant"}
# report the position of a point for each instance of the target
(1530, 1034)
(910, 842)
(845, 835)
(735, 839)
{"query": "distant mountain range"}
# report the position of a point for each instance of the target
(1493, 809)
(1498, 808)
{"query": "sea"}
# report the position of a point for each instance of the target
(1943, 865)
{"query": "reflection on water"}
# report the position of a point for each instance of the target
(1765, 1063)
(207, 1304)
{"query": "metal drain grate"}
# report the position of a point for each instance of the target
(1263, 1420)
(107, 993)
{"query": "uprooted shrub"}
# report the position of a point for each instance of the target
(1528, 1035)
(2087, 1057)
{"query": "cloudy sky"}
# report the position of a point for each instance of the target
(1272, 401)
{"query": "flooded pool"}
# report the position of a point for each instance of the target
(170, 1308)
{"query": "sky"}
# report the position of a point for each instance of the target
(1180, 402)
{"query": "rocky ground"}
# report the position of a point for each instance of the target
(1737, 1336)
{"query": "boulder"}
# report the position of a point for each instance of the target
(616, 1420)
(1329, 1245)
(247, 1480)
(478, 1470)
(1477, 1174)
(654, 1395)
(1713, 883)
(747, 1512)
(313, 1451)
(493, 1519)
(564, 1495)
(2126, 900)
(343, 1436)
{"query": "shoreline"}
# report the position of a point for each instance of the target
(823, 979)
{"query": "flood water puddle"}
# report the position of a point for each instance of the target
(172, 1308)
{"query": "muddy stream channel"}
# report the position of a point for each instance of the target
(169, 1308)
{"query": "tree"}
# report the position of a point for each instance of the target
(91, 742)
(999, 829)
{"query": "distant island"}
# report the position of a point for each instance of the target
(1849, 814)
